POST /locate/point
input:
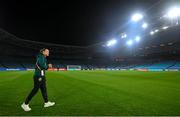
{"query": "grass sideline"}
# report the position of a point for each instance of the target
(94, 93)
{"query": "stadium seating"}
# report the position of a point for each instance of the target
(176, 66)
(17, 53)
(28, 63)
(159, 65)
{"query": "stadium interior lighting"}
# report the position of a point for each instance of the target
(138, 38)
(137, 17)
(165, 27)
(144, 25)
(173, 12)
(156, 30)
(152, 33)
(124, 36)
(111, 42)
(130, 42)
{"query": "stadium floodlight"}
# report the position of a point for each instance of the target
(124, 35)
(165, 27)
(137, 17)
(174, 12)
(152, 33)
(156, 30)
(111, 42)
(144, 25)
(138, 38)
(129, 42)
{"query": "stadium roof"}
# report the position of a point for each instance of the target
(79, 22)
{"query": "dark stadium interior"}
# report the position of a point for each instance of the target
(76, 33)
(90, 58)
(18, 53)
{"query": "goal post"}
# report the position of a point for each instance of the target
(73, 67)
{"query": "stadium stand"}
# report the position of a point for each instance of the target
(159, 65)
(19, 53)
(175, 66)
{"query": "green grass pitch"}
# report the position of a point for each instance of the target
(94, 93)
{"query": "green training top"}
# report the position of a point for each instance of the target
(41, 64)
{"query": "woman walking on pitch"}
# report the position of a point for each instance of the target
(39, 80)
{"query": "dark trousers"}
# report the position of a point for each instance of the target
(39, 82)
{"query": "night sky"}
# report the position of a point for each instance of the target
(70, 22)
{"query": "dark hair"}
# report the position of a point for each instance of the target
(42, 50)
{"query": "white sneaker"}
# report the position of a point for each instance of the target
(48, 104)
(25, 107)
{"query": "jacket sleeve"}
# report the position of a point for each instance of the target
(41, 63)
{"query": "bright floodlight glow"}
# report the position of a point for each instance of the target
(124, 36)
(152, 33)
(144, 25)
(111, 42)
(136, 17)
(156, 30)
(138, 38)
(130, 42)
(173, 12)
(165, 27)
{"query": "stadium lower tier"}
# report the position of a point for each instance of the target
(151, 65)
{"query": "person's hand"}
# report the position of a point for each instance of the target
(50, 65)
